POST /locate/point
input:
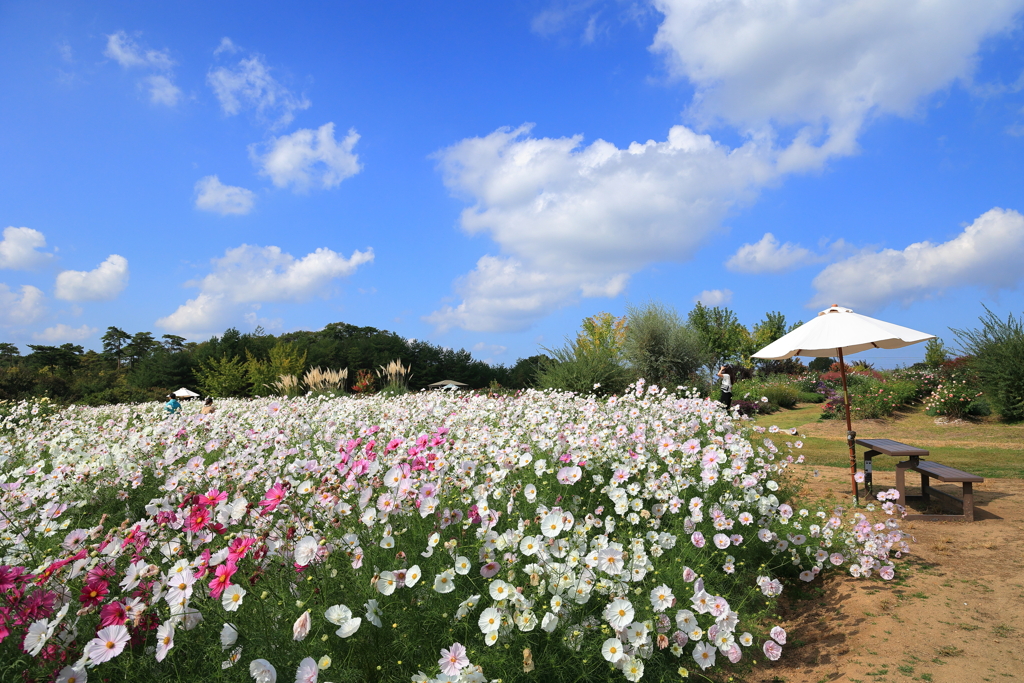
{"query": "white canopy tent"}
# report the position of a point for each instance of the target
(184, 393)
(839, 331)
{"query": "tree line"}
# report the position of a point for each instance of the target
(652, 341)
(140, 367)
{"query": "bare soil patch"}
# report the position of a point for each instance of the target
(955, 612)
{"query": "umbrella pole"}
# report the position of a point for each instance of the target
(849, 427)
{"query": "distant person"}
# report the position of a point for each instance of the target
(172, 406)
(728, 375)
(207, 408)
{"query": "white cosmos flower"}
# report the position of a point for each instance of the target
(349, 627)
(373, 613)
(551, 525)
(305, 550)
(462, 565)
(445, 581)
(612, 650)
(500, 590)
(661, 598)
(619, 614)
(549, 623)
(231, 598)
(228, 636)
(490, 620)
(386, 583)
(531, 491)
(338, 614)
(413, 576)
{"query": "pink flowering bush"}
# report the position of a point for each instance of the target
(431, 537)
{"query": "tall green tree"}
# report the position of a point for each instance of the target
(660, 347)
(723, 336)
(114, 341)
(9, 355)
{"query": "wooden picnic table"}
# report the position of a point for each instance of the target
(927, 470)
(886, 447)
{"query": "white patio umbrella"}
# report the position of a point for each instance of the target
(839, 331)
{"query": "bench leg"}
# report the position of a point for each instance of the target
(925, 480)
(968, 501)
(901, 481)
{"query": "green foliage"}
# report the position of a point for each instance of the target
(585, 367)
(224, 376)
(721, 333)
(935, 353)
(870, 397)
(660, 347)
(820, 364)
(998, 351)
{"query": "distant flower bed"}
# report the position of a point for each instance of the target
(432, 537)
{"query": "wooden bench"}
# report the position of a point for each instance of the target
(945, 474)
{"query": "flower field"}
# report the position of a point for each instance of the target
(430, 537)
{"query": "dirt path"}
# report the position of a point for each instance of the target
(955, 614)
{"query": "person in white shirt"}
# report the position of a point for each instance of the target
(728, 374)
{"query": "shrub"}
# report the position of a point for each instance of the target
(998, 350)
(660, 347)
(954, 399)
(810, 397)
(782, 396)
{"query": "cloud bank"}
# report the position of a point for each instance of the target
(308, 158)
(248, 276)
(988, 254)
(798, 79)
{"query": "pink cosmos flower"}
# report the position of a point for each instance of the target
(107, 644)
(779, 634)
(772, 650)
(697, 538)
(224, 572)
(490, 569)
(273, 498)
(453, 660)
(113, 614)
(308, 671)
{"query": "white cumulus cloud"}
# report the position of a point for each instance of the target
(63, 333)
(309, 158)
(576, 221)
(250, 85)
(248, 276)
(19, 249)
(768, 256)
(797, 79)
(128, 53)
(20, 309)
(714, 297)
(822, 63)
(987, 254)
(213, 195)
(160, 84)
(162, 90)
(103, 283)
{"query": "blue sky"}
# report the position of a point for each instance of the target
(485, 175)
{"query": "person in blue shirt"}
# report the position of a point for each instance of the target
(172, 406)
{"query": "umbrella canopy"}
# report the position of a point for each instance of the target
(840, 328)
(446, 384)
(185, 393)
(839, 331)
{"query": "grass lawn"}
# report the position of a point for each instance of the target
(986, 446)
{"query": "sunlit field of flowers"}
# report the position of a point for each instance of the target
(430, 537)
